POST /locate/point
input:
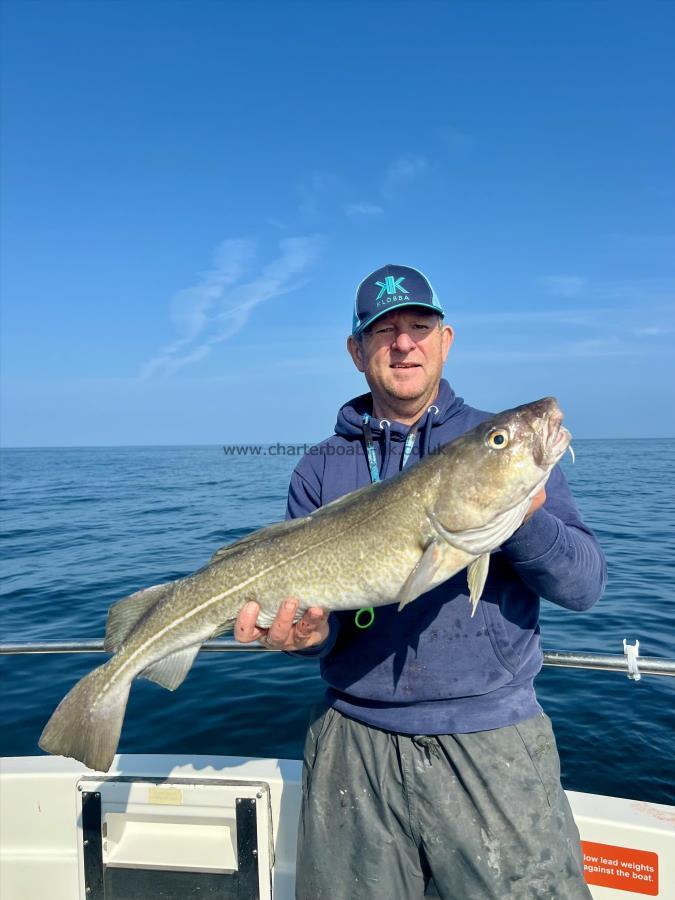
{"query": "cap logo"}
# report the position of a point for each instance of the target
(390, 285)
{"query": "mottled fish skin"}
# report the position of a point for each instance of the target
(392, 540)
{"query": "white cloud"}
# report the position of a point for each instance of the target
(321, 193)
(565, 316)
(276, 223)
(190, 308)
(651, 331)
(563, 285)
(363, 209)
(457, 139)
(221, 303)
(590, 348)
(402, 172)
(316, 190)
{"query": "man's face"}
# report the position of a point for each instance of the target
(402, 354)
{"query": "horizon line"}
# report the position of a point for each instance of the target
(663, 437)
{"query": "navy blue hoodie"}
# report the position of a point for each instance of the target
(431, 668)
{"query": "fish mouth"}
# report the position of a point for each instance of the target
(555, 439)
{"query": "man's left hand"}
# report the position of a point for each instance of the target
(537, 502)
(283, 634)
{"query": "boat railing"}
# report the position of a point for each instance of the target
(629, 663)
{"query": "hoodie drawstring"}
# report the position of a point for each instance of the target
(385, 425)
(370, 449)
(365, 617)
(375, 472)
(409, 444)
(425, 442)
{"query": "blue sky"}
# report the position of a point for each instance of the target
(193, 190)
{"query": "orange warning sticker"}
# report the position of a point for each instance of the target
(621, 867)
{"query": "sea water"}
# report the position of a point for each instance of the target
(82, 528)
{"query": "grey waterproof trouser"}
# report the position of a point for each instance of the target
(461, 816)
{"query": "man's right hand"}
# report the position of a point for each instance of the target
(310, 631)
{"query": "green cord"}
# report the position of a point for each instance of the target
(367, 611)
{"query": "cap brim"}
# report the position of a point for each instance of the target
(384, 312)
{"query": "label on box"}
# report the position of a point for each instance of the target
(169, 795)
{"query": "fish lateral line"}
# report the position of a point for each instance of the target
(232, 590)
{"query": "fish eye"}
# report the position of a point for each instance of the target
(497, 439)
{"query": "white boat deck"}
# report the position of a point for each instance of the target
(171, 814)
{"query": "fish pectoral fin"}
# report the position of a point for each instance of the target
(421, 577)
(172, 671)
(124, 615)
(476, 575)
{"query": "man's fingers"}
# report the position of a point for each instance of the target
(245, 629)
(537, 502)
(311, 620)
(282, 634)
(280, 629)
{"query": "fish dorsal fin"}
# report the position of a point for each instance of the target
(421, 578)
(124, 615)
(256, 536)
(347, 499)
(171, 671)
(476, 576)
(281, 528)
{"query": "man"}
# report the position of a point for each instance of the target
(432, 765)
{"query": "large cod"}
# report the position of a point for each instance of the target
(386, 543)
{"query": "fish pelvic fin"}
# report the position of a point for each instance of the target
(86, 724)
(476, 576)
(172, 671)
(421, 578)
(127, 613)
(227, 626)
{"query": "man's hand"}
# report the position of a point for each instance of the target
(311, 630)
(537, 502)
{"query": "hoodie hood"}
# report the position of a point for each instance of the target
(349, 423)
(355, 423)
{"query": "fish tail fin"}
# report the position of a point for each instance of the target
(86, 724)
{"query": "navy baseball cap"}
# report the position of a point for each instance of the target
(392, 287)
